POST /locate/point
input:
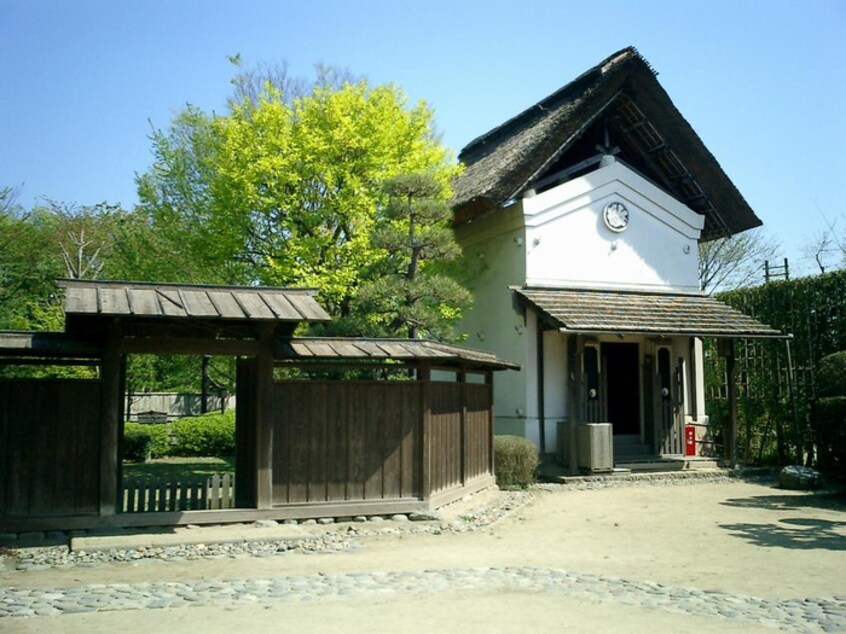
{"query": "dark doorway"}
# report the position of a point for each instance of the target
(621, 366)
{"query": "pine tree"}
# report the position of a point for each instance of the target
(409, 292)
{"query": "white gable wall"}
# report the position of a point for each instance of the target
(569, 245)
(558, 238)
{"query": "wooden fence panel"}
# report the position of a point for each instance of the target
(49, 447)
(477, 431)
(446, 437)
(337, 441)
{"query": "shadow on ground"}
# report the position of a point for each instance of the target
(832, 501)
(802, 533)
(794, 533)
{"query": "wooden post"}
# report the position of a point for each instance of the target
(791, 388)
(264, 419)
(110, 425)
(424, 375)
(574, 402)
(245, 433)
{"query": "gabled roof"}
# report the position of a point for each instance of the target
(642, 313)
(187, 301)
(622, 95)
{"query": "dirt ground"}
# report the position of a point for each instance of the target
(741, 538)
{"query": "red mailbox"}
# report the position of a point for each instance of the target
(689, 440)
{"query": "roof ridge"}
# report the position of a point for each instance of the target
(624, 54)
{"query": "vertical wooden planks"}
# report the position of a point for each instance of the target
(336, 444)
(412, 465)
(316, 402)
(424, 473)
(392, 429)
(374, 427)
(50, 447)
(478, 430)
(355, 415)
(264, 419)
(299, 415)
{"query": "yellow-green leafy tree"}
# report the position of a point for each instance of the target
(286, 190)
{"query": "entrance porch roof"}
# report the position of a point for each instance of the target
(587, 311)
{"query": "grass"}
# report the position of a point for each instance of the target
(178, 467)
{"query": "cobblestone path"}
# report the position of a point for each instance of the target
(801, 614)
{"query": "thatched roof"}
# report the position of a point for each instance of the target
(620, 97)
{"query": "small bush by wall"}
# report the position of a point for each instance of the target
(515, 461)
(207, 435)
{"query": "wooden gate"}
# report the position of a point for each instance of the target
(668, 399)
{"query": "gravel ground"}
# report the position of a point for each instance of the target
(477, 514)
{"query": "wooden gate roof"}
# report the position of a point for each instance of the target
(359, 349)
(151, 300)
(628, 312)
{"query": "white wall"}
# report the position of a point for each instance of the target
(569, 245)
(493, 247)
(558, 238)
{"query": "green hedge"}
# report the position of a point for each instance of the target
(813, 310)
(136, 443)
(209, 435)
(206, 435)
(515, 461)
(158, 443)
(830, 421)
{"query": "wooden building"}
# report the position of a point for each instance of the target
(305, 448)
(584, 213)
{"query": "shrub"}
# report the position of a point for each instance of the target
(206, 435)
(136, 443)
(515, 461)
(831, 376)
(158, 434)
(830, 423)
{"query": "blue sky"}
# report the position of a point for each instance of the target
(762, 82)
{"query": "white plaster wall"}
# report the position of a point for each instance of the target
(494, 251)
(555, 385)
(568, 243)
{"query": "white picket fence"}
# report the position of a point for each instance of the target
(190, 493)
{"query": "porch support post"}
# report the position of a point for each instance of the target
(732, 402)
(110, 423)
(264, 419)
